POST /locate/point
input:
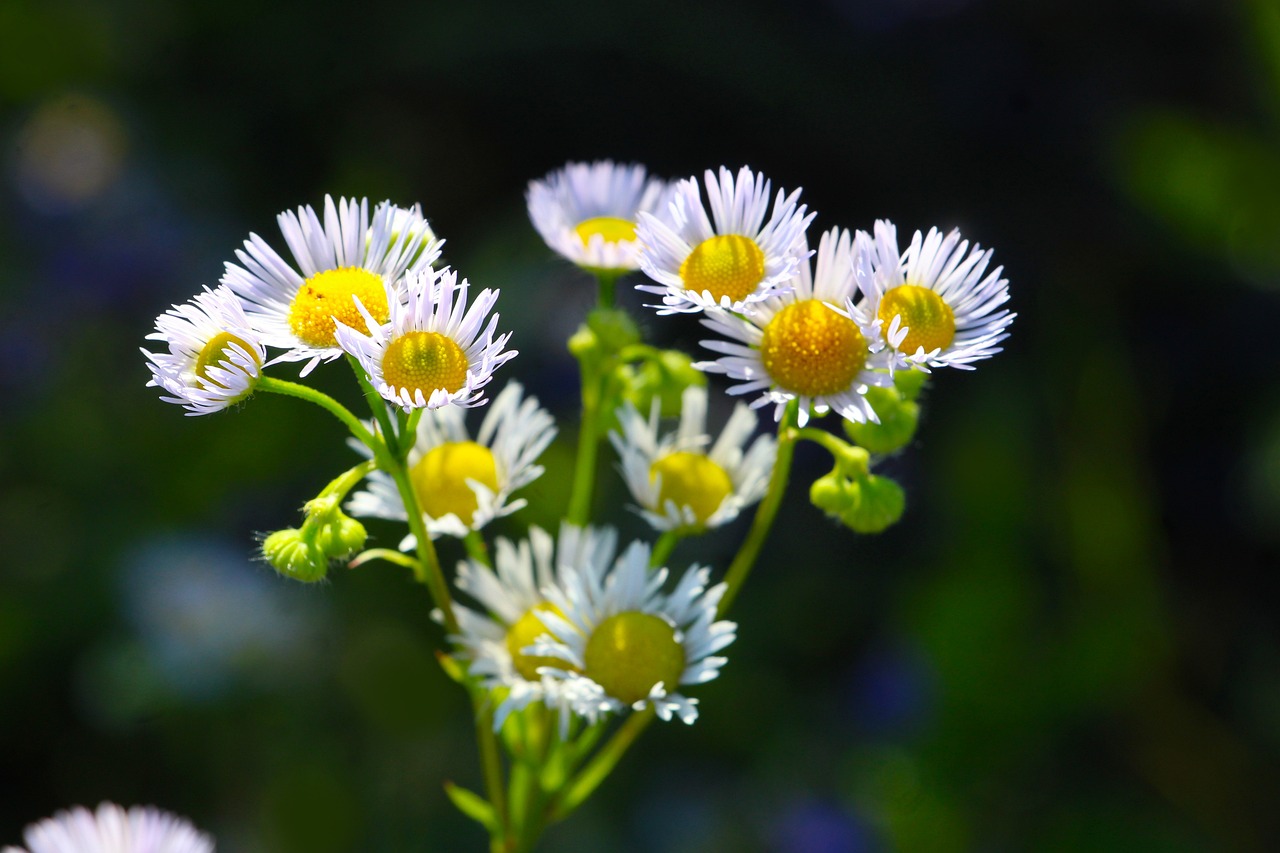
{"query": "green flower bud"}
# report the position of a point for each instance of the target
(898, 420)
(663, 378)
(341, 537)
(613, 327)
(876, 503)
(910, 383)
(830, 494)
(290, 554)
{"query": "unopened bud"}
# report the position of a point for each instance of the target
(875, 504)
(898, 419)
(290, 554)
(341, 537)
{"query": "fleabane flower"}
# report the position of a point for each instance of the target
(679, 483)
(587, 212)
(497, 642)
(347, 258)
(807, 343)
(625, 642)
(214, 358)
(434, 350)
(462, 483)
(938, 293)
(732, 259)
(112, 829)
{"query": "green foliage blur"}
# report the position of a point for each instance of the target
(1069, 642)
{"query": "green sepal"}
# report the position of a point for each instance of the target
(292, 554)
(876, 503)
(473, 806)
(898, 419)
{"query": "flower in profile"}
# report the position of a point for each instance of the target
(113, 830)
(623, 642)
(936, 294)
(214, 358)
(498, 641)
(679, 484)
(730, 260)
(587, 212)
(433, 350)
(461, 483)
(808, 342)
(344, 260)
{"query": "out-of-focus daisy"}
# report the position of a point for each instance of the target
(497, 643)
(728, 260)
(111, 829)
(625, 643)
(936, 293)
(214, 357)
(797, 345)
(345, 259)
(677, 482)
(587, 212)
(462, 483)
(433, 351)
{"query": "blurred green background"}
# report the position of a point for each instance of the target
(1069, 643)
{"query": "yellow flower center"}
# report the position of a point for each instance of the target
(930, 322)
(807, 348)
(629, 653)
(692, 480)
(611, 228)
(424, 361)
(217, 353)
(527, 629)
(327, 295)
(440, 478)
(726, 265)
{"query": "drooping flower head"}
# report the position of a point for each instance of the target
(587, 212)
(214, 358)
(498, 642)
(343, 260)
(625, 642)
(730, 259)
(678, 482)
(433, 350)
(806, 343)
(937, 292)
(111, 829)
(462, 483)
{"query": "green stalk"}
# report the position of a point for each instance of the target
(766, 512)
(324, 401)
(601, 765)
(476, 549)
(377, 405)
(490, 763)
(605, 288)
(663, 547)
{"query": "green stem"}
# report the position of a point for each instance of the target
(476, 549)
(324, 401)
(377, 405)
(601, 765)
(605, 288)
(663, 547)
(490, 763)
(853, 461)
(391, 556)
(584, 469)
(765, 513)
(347, 480)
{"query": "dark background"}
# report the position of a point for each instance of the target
(1070, 641)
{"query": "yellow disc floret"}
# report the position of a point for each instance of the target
(807, 348)
(692, 480)
(612, 228)
(217, 352)
(426, 362)
(327, 295)
(527, 629)
(440, 478)
(930, 321)
(629, 653)
(726, 265)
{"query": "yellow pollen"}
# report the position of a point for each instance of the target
(329, 294)
(629, 653)
(809, 349)
(440, 478)
(930, 322)
(424, 361)
(726, 265)
(611, 228)
(215, 353)
(692, 480)
(528, 629)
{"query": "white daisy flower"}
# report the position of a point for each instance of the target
(345, 257)
(498, 643)
(214, 358)
(462, 483)
(677, 482)
(936, 294)
(802, 344)
(735, 261)
(587, 212)
(433, 351)
(624, 642)
(113, 830)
